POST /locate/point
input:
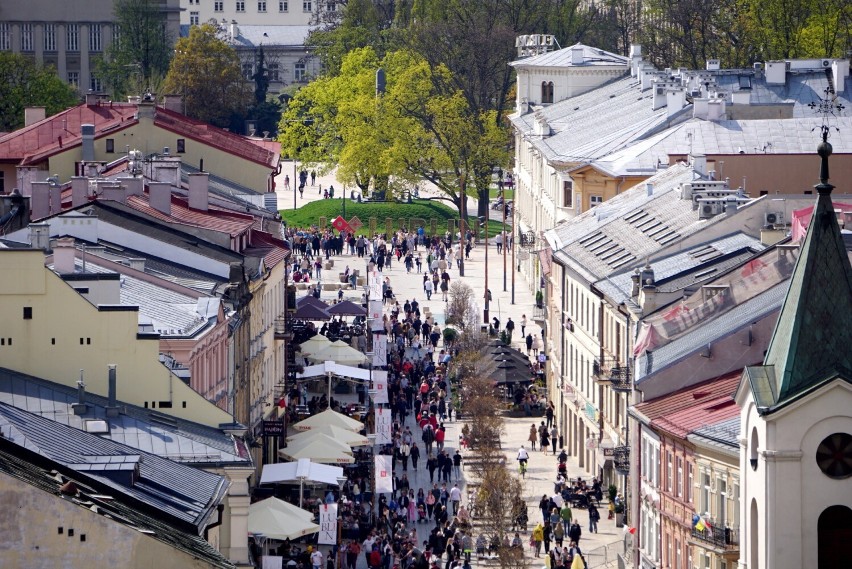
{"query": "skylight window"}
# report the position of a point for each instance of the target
(96, 426)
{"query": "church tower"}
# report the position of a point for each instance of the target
(796, 412)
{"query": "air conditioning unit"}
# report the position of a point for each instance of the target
(706, 210)
(826, 63)
(773, 218)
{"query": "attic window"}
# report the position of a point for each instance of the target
(110, 145)
(181, 145)
(745, 82)
(28, 313)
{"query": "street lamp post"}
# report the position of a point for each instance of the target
(504, 238)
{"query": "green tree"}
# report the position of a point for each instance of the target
(206, 71)
(139, 59)
(25, 83)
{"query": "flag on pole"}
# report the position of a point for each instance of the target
(384, 426)
(697, 522)
(384, 474)
(328, 524)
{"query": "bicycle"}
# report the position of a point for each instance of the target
(522, 468)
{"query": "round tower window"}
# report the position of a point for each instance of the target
(834, 455)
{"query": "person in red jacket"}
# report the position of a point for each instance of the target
(375, 558)
(439, 437)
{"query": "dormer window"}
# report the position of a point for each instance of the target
(546, 92)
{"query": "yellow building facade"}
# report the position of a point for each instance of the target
(50, 331)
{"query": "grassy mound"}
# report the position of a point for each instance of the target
(410, 215)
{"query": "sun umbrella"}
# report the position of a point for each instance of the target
(315, 344)
(347, 308)
(277, 519)
(329, 417)
(310, 312)
(311, 300)
(300, 471)
(321, 448)
(339, 352)
(350, 438)
(509, 374)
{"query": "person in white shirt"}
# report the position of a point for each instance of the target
(316, 559)
(455, 497)
(523, 455)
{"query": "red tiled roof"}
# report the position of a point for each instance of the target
(216, 219)
(706, 403)
(34, 143)
(267, 152)
(276, 247)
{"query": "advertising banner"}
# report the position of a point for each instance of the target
(380, 384)
(384, 475)
(328, 524)
(384, 426)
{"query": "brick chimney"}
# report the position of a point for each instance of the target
(160, 197)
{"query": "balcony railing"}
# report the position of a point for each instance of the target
(610, 371)
(718, 537)
(281, 329)
(539, 313)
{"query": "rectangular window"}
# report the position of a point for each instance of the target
(261, 6)
(28, 313)
(307, 6)
(219, 6)
(656, 467)
(595, 201)
(283, 5)
(5, 36)
(96, 85)
(110, 145)
(94, 37)
(668, 471)
(193, 18)
(247, 71)
(679, 480)
(50, 37)
(116, 34)
(705, 493)
(273, 72)
(690, 480)
(331, 6)
(241, 6)
(72, 37)
(722, 502)
(26, 37)
(567, 193)
(299, 73)
(74, 78)
(181, 145)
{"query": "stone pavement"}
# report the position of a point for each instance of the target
(542, 467)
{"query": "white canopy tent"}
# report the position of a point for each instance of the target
(301, 470)
(314, 344)
(334, 368)
(329, 417)
(345, 436)
(321, 448)
(338, 352)
(276, 519)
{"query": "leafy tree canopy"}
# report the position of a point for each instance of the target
(139, 59)
(206, 71)
(25, 83)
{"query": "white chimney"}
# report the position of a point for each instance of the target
(234, 30)
(577, 55)
(700, 107)
(199, 188)
(33, 115)
(716, 109)
(635, 58)
(87, 132)
(40, 236)
(713, 65)
(79, 190)
(658, 95)
(63, 255)
(840, 71)
(776, 72)
(134, 186)
(113, 192)
(55, 191)
(137, 264)
(160, 197)
(699, 163)
(675, 100)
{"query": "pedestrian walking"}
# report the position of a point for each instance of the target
(575, 532)
(594, 517)
(523, 325)
(510, 327)
(533, 438)
(529, 341)
(553, 438)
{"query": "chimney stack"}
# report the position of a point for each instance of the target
(699, 163)
(79, 190)
(199, 188)
(776, 72)
(87, 132)
(112, 407)
(577, 55)
(635, 58)
(33, 115)
(64, 254)
(40, 203)
(137, 263)
(839, 72)
(112, 191)
(160, 197)
(80, 407)
(40, 236)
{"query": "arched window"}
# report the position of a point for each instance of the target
(546, 92)
(752, 449)
(835, 533)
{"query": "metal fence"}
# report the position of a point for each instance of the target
(614, 555)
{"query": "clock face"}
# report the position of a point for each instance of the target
(834, 455)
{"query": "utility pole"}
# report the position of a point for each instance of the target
(504, 237)
(514, 268)
(462, 222)
(485, 312)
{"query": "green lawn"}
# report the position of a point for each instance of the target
(510, 194)
(400, 213)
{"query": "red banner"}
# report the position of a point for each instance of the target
(340, 224)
